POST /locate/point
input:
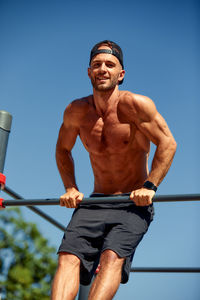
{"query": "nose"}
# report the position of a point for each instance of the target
(102, 68)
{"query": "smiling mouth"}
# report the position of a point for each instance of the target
(102, 79)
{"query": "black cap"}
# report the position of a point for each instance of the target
(115, 50)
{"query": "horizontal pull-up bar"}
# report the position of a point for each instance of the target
(98, 200)
(166, 270)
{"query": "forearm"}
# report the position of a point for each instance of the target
(162, 161)
(65, 164)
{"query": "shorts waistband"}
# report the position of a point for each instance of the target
(108, 195)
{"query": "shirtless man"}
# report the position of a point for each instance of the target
(116, 127)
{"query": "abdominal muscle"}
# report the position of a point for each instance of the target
(119, 173)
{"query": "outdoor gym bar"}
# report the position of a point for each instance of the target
(98, 200)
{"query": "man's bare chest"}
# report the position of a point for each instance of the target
(106, 135)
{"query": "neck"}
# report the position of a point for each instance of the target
(104, 99)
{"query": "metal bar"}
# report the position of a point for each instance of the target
(166, 270)
(100, 200)
(84, 291)
(5, 126)
(34, 209)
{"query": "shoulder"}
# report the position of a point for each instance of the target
(131, 106)
(78, 105)
(76, 110)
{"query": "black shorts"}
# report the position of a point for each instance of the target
(96, 228)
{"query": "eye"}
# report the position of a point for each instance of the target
(96, 65)
(110, 65)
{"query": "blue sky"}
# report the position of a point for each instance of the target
(44, 53)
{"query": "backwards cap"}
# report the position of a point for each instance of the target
(115, 50)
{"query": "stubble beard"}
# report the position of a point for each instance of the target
(105, 86)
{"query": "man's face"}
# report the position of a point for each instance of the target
(105, 71)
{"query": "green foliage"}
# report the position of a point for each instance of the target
(27, 262)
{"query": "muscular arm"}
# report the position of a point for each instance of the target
(160, 135)
(64, 159)
(142, 112)
(66, 140)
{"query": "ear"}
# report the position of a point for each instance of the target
(89, 72)
(121, 75)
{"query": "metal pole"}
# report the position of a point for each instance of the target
(5, 126)
(84, 291)
(166, 270)
(34, 209)
(100, 200)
